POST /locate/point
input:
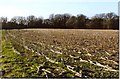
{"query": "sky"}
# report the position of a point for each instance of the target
(38, 8)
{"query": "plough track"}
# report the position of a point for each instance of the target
(106, 68)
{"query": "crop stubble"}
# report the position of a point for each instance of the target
(89, 51)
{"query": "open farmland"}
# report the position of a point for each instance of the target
(60, 53)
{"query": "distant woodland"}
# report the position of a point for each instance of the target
(63, 21)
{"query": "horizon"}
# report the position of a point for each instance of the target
(44, 8)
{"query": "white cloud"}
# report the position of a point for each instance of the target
(38, 7)
(10, 11)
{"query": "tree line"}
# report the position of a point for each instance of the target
(63, 21)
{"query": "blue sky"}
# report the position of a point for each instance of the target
(10, 8)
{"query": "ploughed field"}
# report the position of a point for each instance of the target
(60, 53)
